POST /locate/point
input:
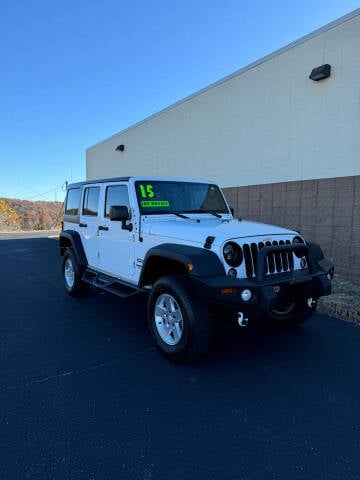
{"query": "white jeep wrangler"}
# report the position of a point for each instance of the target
(177, 240)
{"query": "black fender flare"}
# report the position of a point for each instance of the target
(315, 251)
(196, 261)
(72, 238)
(315, 255)
(318, 260)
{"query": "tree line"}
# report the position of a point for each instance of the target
(16, 215)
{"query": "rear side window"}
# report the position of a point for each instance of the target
(116, 195)
(73, 201)
(91, 201)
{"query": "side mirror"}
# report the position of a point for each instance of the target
(232, 210)
(120, 213)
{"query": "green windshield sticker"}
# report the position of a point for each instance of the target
(154, 203)
(147, 191)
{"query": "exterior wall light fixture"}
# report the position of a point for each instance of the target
(120, 148)
(319, 73)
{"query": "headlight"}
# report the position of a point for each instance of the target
(298, 241)
(233, 254)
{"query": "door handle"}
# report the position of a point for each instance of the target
(83, 225)
(101, 227)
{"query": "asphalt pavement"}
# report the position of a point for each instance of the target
(85, 395)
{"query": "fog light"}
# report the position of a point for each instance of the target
(303, 263)
(246, 295)
(232, 272)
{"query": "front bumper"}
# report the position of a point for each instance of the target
(270, 291)
(266, 295)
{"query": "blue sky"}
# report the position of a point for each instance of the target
(73, 73)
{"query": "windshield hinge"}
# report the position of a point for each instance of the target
(208, 242)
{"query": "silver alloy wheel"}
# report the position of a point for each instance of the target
(168, 319)
(69, 273)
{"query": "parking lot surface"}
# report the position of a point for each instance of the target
(85, 395)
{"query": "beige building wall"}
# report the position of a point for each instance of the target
(266, 123)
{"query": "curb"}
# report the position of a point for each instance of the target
(344, 302)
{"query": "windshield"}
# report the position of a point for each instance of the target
(155, 197)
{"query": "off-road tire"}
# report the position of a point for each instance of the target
(172, 300)
(72, 274)
(292, 315)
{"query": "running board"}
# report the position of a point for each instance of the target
(110, 284)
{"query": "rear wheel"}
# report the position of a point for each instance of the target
(72, 274)
(178, 321)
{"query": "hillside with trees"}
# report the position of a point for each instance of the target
(19, 215)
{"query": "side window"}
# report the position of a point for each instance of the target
(116, 195)
(73, 201)
(91, 201)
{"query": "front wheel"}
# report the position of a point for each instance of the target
(180, 324)
(292, 314)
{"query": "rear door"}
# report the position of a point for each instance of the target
(115, 244)
(89, 223)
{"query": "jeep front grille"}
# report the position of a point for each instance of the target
(275, 262)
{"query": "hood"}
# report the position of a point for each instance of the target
(196, 231)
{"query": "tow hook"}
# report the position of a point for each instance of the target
(242, 321)
(311, 302)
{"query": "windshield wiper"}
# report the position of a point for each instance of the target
(216, 214)
(165, 212)
(212, 212)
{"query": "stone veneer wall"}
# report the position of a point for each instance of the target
(326, 211)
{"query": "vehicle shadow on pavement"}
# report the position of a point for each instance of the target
(125, 320)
